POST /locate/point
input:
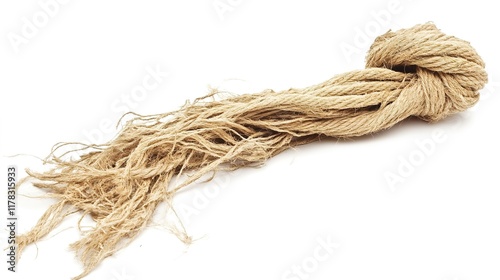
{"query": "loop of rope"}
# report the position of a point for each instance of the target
(449, 72)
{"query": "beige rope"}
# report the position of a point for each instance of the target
(411, 72)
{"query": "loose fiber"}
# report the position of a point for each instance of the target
(411, 72)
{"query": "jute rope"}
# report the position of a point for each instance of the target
(411, 72)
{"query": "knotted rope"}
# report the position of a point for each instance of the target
(411, 72)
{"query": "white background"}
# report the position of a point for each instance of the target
(68, 80)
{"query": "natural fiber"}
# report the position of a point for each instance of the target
(411, 72)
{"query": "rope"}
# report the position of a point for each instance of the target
(411, 72)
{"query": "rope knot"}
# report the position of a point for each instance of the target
(446, 71)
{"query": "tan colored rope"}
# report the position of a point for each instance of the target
(411, 72)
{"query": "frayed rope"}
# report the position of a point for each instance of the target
(411, 72)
